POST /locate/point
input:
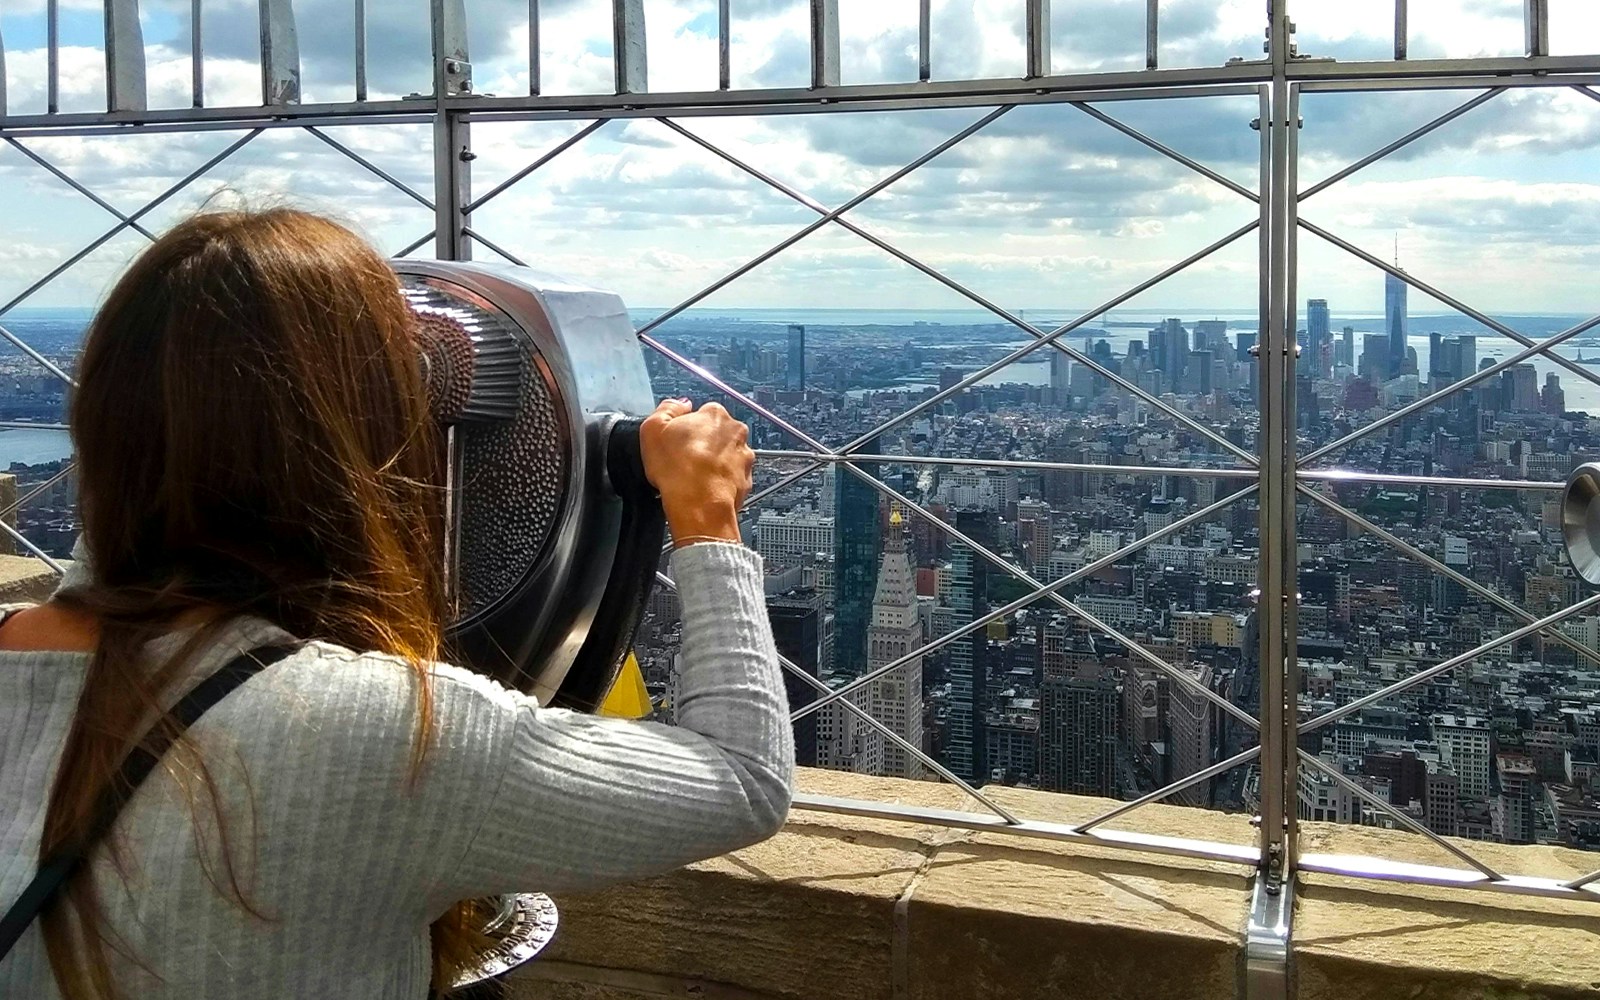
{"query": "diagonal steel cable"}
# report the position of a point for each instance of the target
(1402, 142)
(126, 223)
(1594, 876)
(1334, 715)
(381, 173)
(1587, 374)
(1399, 816)
(417, 243)
(1041, 339)
(785, 244)
(1136, 648)
(1588, 92)
(1219, 767)
(1001, 563)
(1167, 151)
(1468, 382)
(38, 552)
(1025, 600)
(73, 183)
(508, 255)
(66, 470)
(1427, 559)
(882, 728)
(557, 150)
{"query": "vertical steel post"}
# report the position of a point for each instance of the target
(1536, 26)
(280, 54)
(452, 136)
(125, 69)
(361, 49)
(197, 60)
(1402, 32)
(1037, 32)
(3, 111)
(824, 43)
(52, 58)
(533, 48)
(925, 40)
(724, 46)
(1152, 33)
(629, 53)
(1267, 943)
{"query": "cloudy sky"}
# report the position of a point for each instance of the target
(1045, 209)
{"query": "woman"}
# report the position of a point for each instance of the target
(256, 460)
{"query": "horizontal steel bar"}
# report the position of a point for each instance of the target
(24, 425)
(1441, 83)
(1406, 684)
(1385, 870)
(183, 128)
(1219, 767)
(1482, 374)
(1201, 472)
(1307, 72)
(1450, 482)
(1427, 559)
(1203, 850)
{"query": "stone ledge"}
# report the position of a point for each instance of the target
(25, 579)
(863, 909)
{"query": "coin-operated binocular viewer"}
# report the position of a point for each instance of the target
(552, 534)
(1580, 521)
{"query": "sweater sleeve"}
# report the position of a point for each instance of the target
(583, 800)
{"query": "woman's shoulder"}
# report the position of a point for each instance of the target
(374, 679)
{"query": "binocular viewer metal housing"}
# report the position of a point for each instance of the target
(553, 534)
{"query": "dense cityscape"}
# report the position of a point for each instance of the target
(1062, 692)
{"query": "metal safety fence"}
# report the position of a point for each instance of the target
(1276, 476)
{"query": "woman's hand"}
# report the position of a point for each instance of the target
(700, 462)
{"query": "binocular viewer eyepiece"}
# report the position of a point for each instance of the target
(553, 533)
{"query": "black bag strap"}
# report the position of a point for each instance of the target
(55, 871)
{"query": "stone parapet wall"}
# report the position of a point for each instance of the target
(847, 908)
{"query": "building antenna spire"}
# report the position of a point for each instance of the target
(1397, 248)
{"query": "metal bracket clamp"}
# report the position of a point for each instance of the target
(1267, 937)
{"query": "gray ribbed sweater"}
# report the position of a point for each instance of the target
(351, 862)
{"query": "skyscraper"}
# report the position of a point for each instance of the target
(1176, 362)
(795, 378)
(1346, 354)
(1211, 335)
(1395, 323)
(896, 630)
(1081, 727)
(1319, 339)
(797, 631)
(964, 744)
(1060, 378)
(857, 544)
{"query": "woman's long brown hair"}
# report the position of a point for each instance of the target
(253, 439)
